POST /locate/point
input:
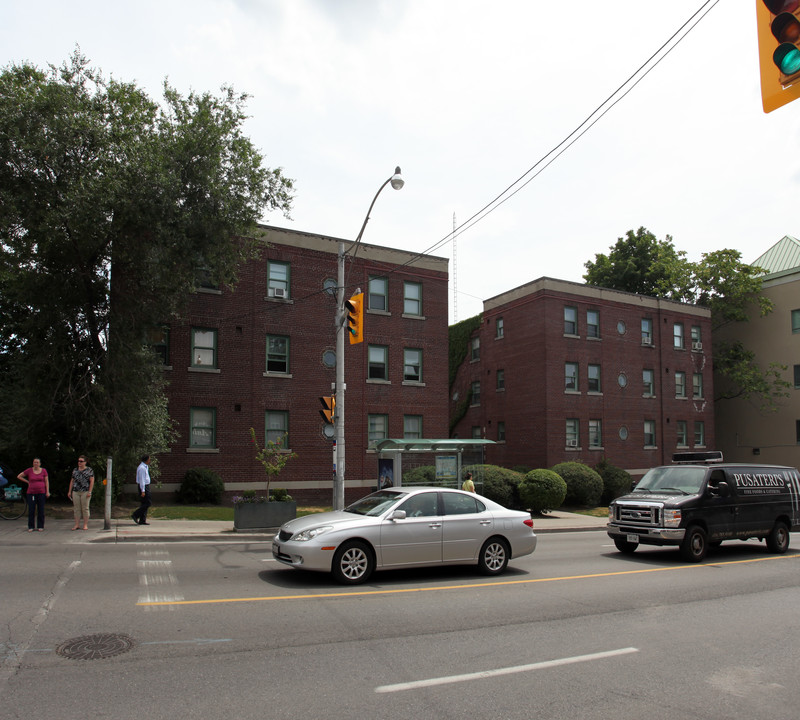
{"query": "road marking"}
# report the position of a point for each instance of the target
(438, 588)
(161, 584)
(447, 680)
(12, 660)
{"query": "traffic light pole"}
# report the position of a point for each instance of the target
(341, 322)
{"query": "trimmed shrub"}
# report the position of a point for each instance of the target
(422, 475)
(201, 486)
(496, 483)
(542, 490)
(584, 485)
(616, 481)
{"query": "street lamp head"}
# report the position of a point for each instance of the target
(397, 179)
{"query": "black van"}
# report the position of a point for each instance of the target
(700, 501)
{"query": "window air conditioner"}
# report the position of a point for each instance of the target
(572, 443)
(697, 346)
(278, 292)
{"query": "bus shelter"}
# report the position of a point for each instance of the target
(447, 456)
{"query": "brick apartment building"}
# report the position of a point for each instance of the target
(560, 371)
(263, 354)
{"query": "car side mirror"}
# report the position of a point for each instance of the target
(722, 489)
(398, 515)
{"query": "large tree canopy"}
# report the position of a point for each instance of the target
(720, 281)
(111, 208)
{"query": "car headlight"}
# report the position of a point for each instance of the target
(672, 517)
(310, 534)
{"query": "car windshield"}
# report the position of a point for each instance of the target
(682, 480)
(376, 503)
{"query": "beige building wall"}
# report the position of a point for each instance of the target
(745, 432)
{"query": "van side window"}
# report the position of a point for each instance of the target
(716, 476)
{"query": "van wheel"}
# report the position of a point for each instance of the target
(695, 545)
(778, 539)
(624, 546)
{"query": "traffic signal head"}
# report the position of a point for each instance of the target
(779, 51)
(329, 408)
(355, 318)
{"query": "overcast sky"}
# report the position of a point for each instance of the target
(466, 97)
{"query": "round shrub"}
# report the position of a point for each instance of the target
(199, 486)
(616, 481)
(496, 483)
(542, 490)
(421, 475)
(584, 485)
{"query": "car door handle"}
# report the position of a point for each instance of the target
(486, 522)
(435, 525)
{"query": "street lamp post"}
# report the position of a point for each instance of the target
(397, 182)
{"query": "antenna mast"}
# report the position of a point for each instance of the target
(455, 272)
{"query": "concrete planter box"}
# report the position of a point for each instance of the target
(263, 516)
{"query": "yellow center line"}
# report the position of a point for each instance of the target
(438, 588)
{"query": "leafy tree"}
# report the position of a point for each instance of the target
(720, 281)
(111, 208)
(641, 263)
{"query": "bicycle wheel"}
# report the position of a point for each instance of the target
(12, 509)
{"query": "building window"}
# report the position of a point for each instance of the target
(412, 365)
(476, 393)
(158, 339)
(278, 279)
(680, 384)
(501, 431)
(647, 331)
(412, 427)
(649, 433)
(595, 434)
(697, 338)
(797, 377)
(474, 349)
(682, 433)
(592, 324)
(649, 383)
(204, 348)
(501, 379)
(697, 386)
(378, 293)
(593, 379)
(203, 422)
(378, 362)
(571, 377)
(796, 321)
(677, 336)
(377, 427)
(412, 298)
(277, 354)
(699, 433)
(572, 433)
(276, 424)
(476, 432)
(500, 330)
(570, 320)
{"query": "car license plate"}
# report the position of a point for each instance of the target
(631, 538)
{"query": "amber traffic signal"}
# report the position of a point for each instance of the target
(355, 318)
(778, 51)
(329, 407)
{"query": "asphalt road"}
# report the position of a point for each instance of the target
(219, 630)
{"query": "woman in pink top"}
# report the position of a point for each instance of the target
(38, 489)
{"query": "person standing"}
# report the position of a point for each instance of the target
(139, 515)
(468, 485)
(80, 492)
(38, 483)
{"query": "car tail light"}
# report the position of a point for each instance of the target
(529, 522)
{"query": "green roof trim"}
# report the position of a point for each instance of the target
(446, 444)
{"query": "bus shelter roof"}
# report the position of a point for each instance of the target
(428, 445)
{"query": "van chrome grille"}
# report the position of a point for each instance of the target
(638, 514)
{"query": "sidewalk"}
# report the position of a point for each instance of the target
(124, 530)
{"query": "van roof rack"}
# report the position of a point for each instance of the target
(705, 457)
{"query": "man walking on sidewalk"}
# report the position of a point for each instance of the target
(143, 481)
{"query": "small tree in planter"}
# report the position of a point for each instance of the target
(272, 458)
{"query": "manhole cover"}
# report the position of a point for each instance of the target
(95, 647)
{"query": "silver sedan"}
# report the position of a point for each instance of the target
(406, 527)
